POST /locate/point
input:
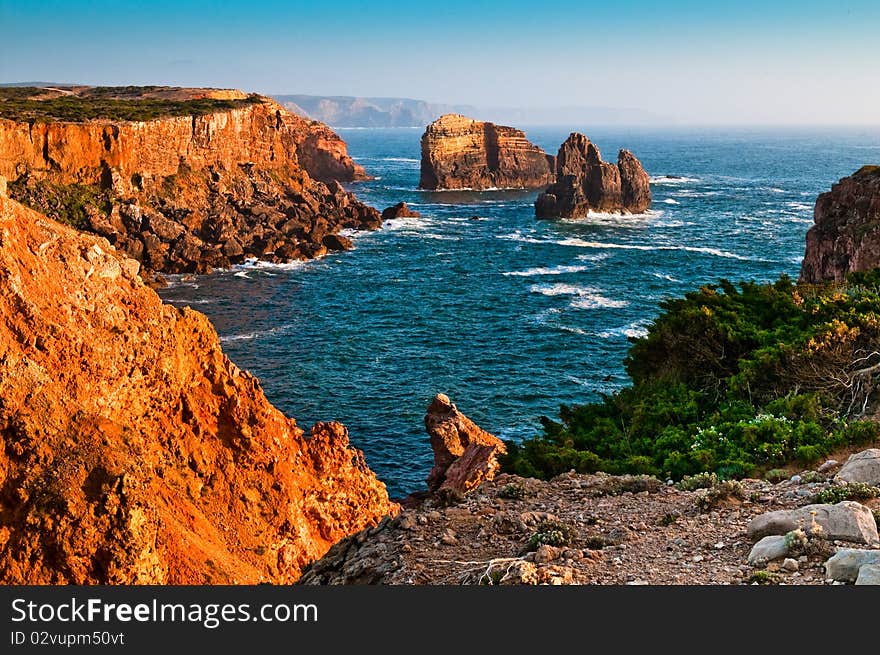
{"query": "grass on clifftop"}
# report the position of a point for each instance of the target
(113, 103)
(733, 379)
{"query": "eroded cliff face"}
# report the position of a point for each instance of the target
(132, 450)
(462, 153)
(584, 183)
(845, 236)
(190, 193)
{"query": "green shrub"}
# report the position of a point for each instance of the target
(732, 379)
(551, 533)
(719, 493)
(851, 491)
(698, 481)
(512, 491)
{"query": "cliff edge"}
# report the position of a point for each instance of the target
(132, 450)
(182, 180)
(845, 236)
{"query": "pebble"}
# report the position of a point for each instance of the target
(719, 545)
(796, 479)
(790, 564)
(697, 558)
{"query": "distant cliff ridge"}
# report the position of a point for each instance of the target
(182, 180)
(845, 236)
(349, 111)
(462, 153)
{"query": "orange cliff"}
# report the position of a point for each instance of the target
(192, 192)
(133, 450)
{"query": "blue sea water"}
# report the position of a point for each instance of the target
(508, 315)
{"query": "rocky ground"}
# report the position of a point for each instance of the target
(610, 530)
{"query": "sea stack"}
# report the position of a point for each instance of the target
(585, 183)
(462, 153)
(845, 236)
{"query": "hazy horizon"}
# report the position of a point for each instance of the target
(808, 63)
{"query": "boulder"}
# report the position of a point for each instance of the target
(845, 564)
(869, 574)
(768, 549)
(462, 153)
(465, 455)
(337, 242)
(584, 183)
(400, 210)
(847, 521)
(862, 467)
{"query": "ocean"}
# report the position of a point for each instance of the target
(508, 315)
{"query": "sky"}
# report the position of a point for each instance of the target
(764, 62)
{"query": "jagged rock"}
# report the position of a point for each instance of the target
(768, 549)
(862, 467)
(462, 153)
(585, 183)
(133, 450)
(847, 521)
(845, 236)
(400, 210)
(337, 242)
(869, 574)
(465, 455)
(255, 175)
(844, 565)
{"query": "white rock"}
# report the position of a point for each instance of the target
(828, 465)
(844, 565)
(768, 549)
(862, 467)
(790, 564)
(869, 574)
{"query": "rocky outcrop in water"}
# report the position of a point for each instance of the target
(465, 455)
(463, 153)
(584, 183)
(400, 210)
(188, 193)
(132, 450)
(845, 236)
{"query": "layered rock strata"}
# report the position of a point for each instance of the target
(584, 183)
(194, 192)
(463, 153)
(132, 450)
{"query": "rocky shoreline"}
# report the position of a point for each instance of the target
(187, 194)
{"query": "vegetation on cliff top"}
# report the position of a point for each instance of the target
(113, 103)
(733, 379)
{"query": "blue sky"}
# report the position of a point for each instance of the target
(770, 62)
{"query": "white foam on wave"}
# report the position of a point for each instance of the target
(181, 301)
(664, 276)
(800, 206)
(267, 267)
(547, 270)
(597, 257)
(674, 179)
(634, 330)
(581, 243)
(408, 160)
(584, 297)
(671, 201)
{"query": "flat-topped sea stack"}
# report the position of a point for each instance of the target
(132, 451)
(462, 153)
(845, 237)
(584, 183)
(182, 180)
